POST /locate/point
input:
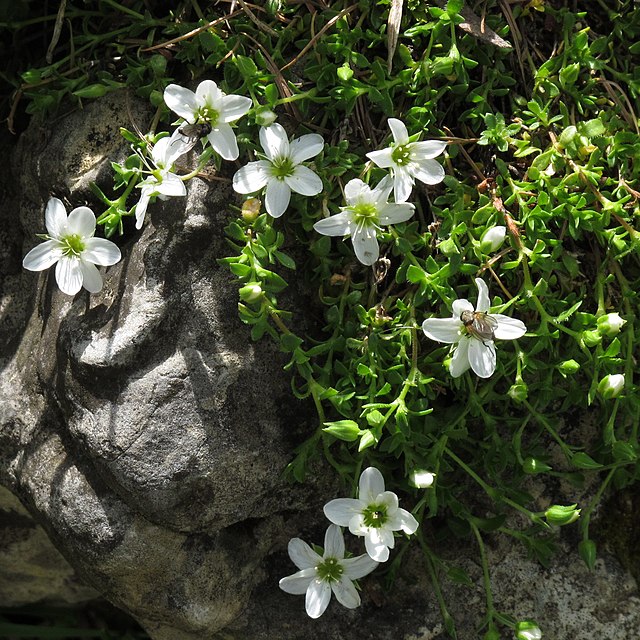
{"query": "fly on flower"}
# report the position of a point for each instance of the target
(479, 324)
(473, 332)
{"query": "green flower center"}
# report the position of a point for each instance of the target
(375, 515)
(401, 155)
(72, 245)
(208, 114)
(283, 168)
(330, 570)
(365, 213)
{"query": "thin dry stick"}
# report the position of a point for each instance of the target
(393, 30)
(195, 32)
(252, 16)
(57, 28)
(315, 38)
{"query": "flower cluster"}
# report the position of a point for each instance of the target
(374, 515)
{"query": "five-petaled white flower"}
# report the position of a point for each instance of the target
(281, 172)
(162, 182)
(473, 331)
(212, 106)
(366, 210)
(70, 245)
(319, 576)
(374, 514)
(409, 161)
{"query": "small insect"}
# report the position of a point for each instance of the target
(194, 132)
(479, 324)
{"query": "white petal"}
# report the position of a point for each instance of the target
(381, 192)
(302, 555)
(252, 177)
(304, 181)
(141, 207)
(55, 217)
(389, 500)
(371, 485)
(274, 141)
(428, 171)
(305, 147)
(91, 278)
(82, 221)
(69, 275)
(447, 330)
(508, 328)
(402, 184)
(159, 152)
(427, 149)
(341, 510)
(376, 550)
(224, 142)
(399, 131)
(317, 599)
(338, 225)
(354, 190)
(43, 256)
(208, 94)
(101, 251)
(459, 306)
(460, 361)
(178, 145)
(483, 303)
(404, 520)
(298, 583)
(359, 567)
(234, 107)
(381, 158)
(333, 542)
(181, 101)
(171, 185)
(346, 593)
(277, 197)
(365, 244)
(383, 536)
(393, 213)
(482, 357)
(357, 526)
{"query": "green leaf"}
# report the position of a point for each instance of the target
(587, 550)
(581, 460)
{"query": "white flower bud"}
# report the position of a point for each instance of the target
(527, 630)
(492, 239)
(265, 117)
(610, 324)
(421, 479)
(611, 385)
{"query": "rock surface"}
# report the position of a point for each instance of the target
(148, 436)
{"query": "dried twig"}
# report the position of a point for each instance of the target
(393, 30)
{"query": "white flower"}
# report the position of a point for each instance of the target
(319, 576)
(409, 161)
(374, 514)
(421, 479)
(210, 105)
(611, 385)
(366, 210)
(70, 245)
(281, 172)
(492, 239)
(528, 630)
(162, 182)
(473, 331)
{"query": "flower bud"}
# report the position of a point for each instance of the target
(518, 392)
(610, 324)
(528, 630)
(421, 479)
(265, 117)
(251, 209)
(492, 239)
(611, 385)
(559, 515)
(346, 430)
(568, 367)
(250, 292)
(591, 338)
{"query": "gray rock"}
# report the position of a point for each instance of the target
(148, 436)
